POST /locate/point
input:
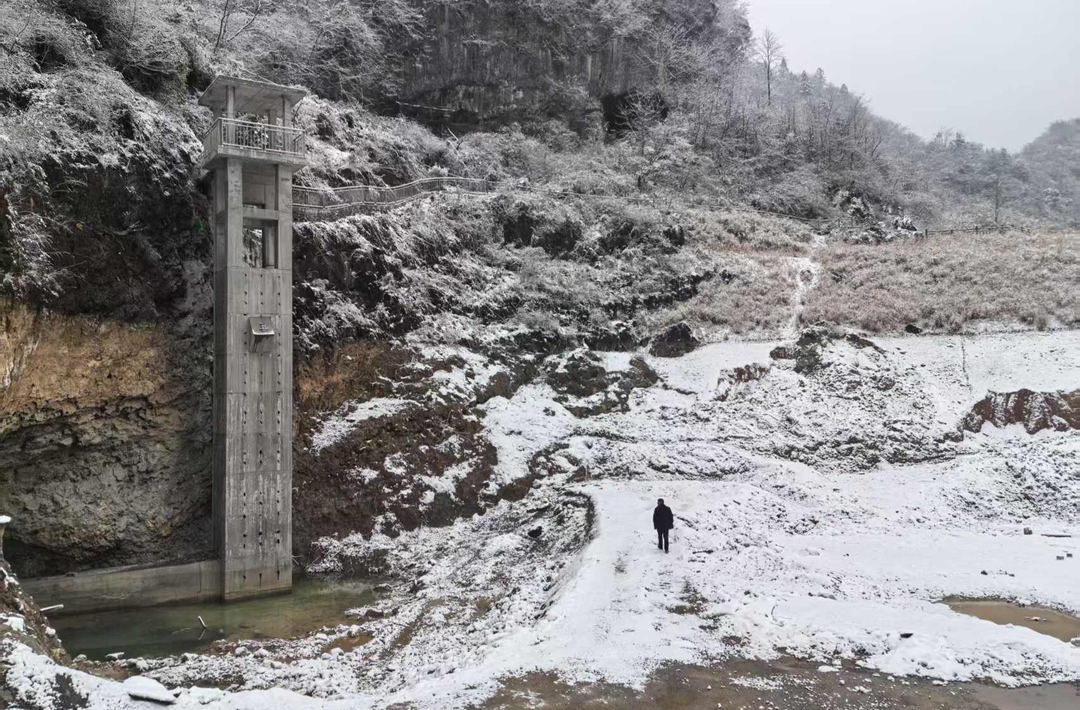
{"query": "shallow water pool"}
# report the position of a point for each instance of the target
(170, 630)
(1037, 618)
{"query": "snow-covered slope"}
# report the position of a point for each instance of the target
(826, 501)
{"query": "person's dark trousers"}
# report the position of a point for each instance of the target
(661, 539)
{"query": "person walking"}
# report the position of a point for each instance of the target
(662, 521)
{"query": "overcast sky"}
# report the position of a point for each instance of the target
(1000, 71)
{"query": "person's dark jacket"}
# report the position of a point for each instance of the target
(662, 518)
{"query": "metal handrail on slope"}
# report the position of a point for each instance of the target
(379, 195)
(337, 199)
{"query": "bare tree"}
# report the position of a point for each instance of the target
(672, 55)
(770, 54)
(254, 8)
(13, 46)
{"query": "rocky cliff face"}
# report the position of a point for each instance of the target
(105, 344)
(1036, 411)
(104, 441)
(492, 61)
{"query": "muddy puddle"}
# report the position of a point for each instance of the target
(784, 684)
(170, 630)
(1037, 618)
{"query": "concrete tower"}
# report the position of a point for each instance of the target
(251, 152)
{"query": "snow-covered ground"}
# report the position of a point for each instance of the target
(824, 507)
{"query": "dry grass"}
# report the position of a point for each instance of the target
(750, 296)
(949, 282)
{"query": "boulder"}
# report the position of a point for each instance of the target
(676, 340)
(142, 688)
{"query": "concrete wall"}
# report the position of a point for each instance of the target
(125, 587)
(260, 186)
(252, 390)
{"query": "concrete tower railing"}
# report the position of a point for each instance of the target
(229, 135)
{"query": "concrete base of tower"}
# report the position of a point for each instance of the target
(246, 580)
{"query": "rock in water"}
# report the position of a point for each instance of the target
(142, 688)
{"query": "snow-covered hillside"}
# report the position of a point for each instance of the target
(826, 500)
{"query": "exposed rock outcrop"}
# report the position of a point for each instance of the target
(675, 341)
(808, 349)
(104, 442)
(1036, 411)
(500, 60)
(21, 619)
(587, 388)
(423, 461)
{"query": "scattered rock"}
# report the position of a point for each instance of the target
(536, 532)
(143, 688)
(675, 234)
(114, 656)
(618, 335)
(240, 651)
(728, 382)
(1028, 531)
(912, 329)
(909, 634)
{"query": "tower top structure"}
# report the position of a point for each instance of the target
(249, 96)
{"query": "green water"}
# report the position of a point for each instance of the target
(171, 630)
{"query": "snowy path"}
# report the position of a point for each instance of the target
(805, 273)
(853, 588)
